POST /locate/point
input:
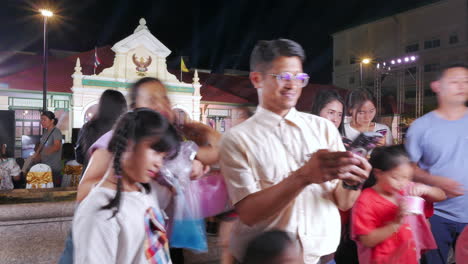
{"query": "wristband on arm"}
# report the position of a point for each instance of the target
(351, 187)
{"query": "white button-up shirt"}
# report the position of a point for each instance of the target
(261, 152)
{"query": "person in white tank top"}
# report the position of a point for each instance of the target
(362, 110)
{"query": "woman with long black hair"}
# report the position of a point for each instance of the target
(330, 105)
(111, 105)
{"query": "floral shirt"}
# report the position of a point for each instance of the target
(8, 169)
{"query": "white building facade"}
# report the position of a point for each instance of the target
(139, 55)
(435, 34)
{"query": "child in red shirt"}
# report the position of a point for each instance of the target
(381, 227)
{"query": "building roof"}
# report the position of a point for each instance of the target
(16, 61)
(215, 87)
(213, 94)
(60, 80)
(223, 88)
(241, 86)
(59, 72)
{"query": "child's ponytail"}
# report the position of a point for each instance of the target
(118, 144)
(385, 158)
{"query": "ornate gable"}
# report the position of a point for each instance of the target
(138, 55)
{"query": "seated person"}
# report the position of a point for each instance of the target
(9, 170)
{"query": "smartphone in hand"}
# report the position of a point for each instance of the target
(365, 142)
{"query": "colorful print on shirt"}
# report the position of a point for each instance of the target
(156, 242)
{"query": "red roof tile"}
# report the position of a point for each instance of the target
(213, 94)
(59, 72)
(240, 86)
(13, 61)
(219, 87)
(215, 87)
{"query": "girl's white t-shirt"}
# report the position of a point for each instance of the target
(352, 133)
(100, 238)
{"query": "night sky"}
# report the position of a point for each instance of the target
(212, 34)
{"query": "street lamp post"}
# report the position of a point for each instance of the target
(363, 61)
(45, 14)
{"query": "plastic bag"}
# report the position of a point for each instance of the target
(212, 194)
(187, 226)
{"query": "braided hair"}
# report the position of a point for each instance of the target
(135, 126)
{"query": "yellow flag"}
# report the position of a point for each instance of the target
(182, 65)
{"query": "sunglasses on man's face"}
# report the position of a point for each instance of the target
(302, 78)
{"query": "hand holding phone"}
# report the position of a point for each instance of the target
(365, 142)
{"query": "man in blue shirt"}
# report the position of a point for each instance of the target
(438, 143)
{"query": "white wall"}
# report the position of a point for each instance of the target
(388, 37)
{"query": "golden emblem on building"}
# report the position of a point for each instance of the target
(141, 64)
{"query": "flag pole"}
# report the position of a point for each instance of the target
(94, 64)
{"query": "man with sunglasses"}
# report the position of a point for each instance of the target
(286, 169)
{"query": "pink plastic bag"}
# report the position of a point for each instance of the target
(422, 234)
(212, 193)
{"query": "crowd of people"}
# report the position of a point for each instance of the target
(299, 190)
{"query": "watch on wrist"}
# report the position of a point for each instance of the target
(351, 187)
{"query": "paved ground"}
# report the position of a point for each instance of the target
(211, 257)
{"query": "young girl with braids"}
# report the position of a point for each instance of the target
(191, 160)
(120, 221)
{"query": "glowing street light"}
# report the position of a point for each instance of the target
(365, 61)
(45, 14)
